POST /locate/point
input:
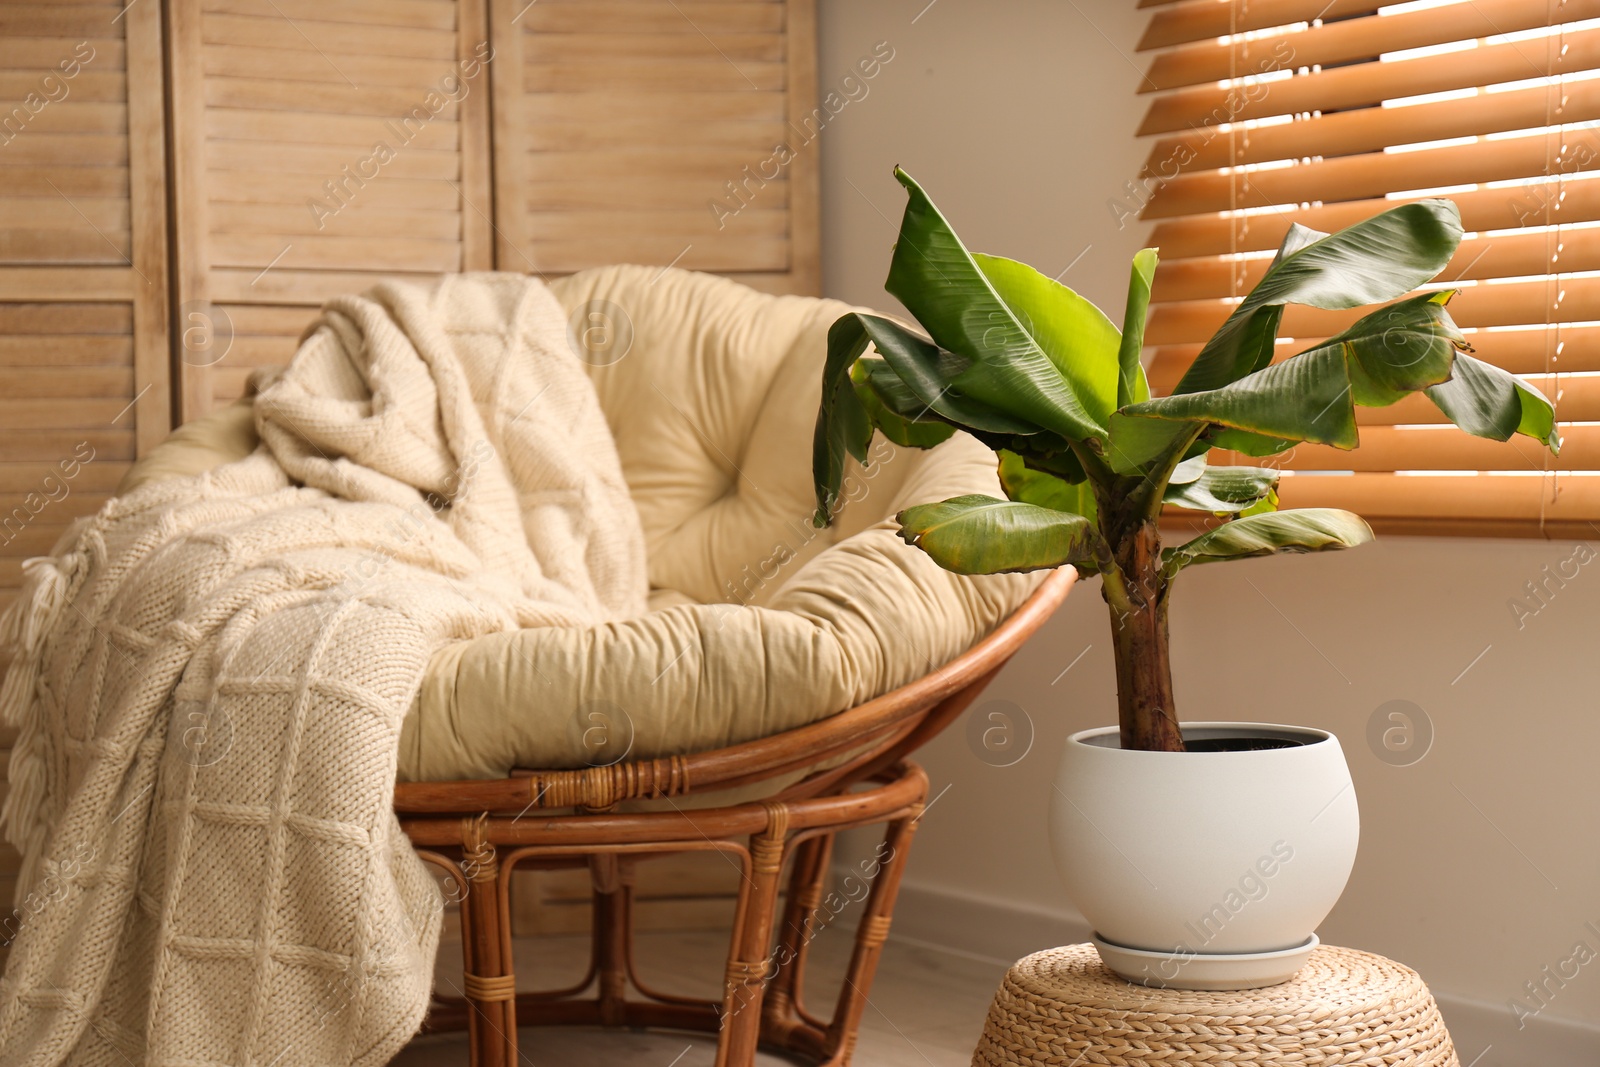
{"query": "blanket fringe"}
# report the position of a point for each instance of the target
(46, 587)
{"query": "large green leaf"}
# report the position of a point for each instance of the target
(1488, 402)
(1250, 444)
(1131, 385)
(1134, 441)
(1301, 530)
(1074, 333)
(935, 277)
(894, 409)
(1221, 490)
(843, 428)
(1368, 263)
(928, 370)
(982, 535)
(1029, 486)
(1311, 396)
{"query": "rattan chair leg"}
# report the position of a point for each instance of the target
(490, 984)
(871, 933)
(747, 956)
(613, 905)
(784, 1002)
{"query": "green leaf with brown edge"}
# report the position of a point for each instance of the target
(1030, 486)
(1224, 490)
(927, 371)
(1488, 402)
(982, 535)
(894, 409)
(1311, 396)
(1300, 530)
(1375, 260)
(940, 282)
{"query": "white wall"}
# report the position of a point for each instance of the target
(1480, 864)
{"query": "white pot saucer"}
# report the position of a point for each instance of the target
(1204, 970)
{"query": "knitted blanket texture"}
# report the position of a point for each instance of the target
(209, 677)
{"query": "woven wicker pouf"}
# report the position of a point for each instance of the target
(1062, 1007)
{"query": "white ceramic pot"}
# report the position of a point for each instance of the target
(1205, 869)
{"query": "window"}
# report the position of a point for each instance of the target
(1328, 111)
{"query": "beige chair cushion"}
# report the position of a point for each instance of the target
(760, 623)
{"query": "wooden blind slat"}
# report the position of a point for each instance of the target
(1373, 129)
(1199, 20)
(1543, 300)
(1534, 350)
(1354, 40)
(1511, 255)
(1441, 447)
(1516, 500)
(1538, 201)
(1366, 84)
(1369, 175)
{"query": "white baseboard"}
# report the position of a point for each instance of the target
(980, 926)
(1485, 1035)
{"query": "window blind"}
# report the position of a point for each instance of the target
(1325, 112)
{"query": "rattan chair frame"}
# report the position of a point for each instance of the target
(479, 832)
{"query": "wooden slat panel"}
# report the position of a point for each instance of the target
(322, 252)
(647, 17)
(91, 86)
(349, 70)
(360, 219)
(17, 480)
(79, 21)
(292, 127)
(285, 285)
(552, 72)
(607, 191)
(44, 53)
(250, 187)
(410, 14)
(276, 32)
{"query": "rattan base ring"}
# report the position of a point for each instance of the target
(1062, 1007)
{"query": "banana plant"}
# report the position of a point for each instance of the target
(1088, 459)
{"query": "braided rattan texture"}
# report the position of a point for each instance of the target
(1062, 1007)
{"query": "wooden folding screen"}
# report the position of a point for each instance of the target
(84, 378)
(1326, 113)
(322, 144)
(317, 146)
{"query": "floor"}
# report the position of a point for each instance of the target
(926, 1009)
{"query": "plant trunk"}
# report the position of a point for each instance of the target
(1146, 712)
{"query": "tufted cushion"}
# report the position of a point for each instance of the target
(761, 623)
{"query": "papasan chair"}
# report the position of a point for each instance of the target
(767, 701)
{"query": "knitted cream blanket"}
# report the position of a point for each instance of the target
(210, 677)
